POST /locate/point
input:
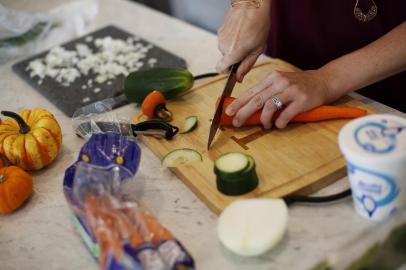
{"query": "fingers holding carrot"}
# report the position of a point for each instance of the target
(320, 113)
(282, 96)
(299, 90)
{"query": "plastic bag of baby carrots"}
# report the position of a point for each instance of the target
(120, 233)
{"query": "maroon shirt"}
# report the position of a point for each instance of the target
(310, 33)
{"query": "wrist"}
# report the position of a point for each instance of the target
(333, 89)
(254, 4)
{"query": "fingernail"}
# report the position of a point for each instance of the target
(239, 78)
(229, 111)
(279, 125)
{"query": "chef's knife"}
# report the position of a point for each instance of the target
(228, 89)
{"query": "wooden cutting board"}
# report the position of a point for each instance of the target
(300, 158)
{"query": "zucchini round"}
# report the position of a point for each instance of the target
(239, 182)
(231, 163)
(169, 81)
(183, 156)
(190, 124)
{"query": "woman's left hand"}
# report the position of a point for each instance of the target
(298, 92)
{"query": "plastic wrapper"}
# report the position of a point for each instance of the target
(23, 33)
(85, 119)
(117, 230)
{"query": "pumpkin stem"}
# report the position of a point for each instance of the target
(2, 178)
(24, 128)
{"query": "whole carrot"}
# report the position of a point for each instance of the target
(324, 112)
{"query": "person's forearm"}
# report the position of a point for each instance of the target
(262, 4)
(374, 62)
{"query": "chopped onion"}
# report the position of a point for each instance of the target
(112, 58)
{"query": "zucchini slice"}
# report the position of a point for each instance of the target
(237, 183)
(190, 124)
(183, 156)
(231, 163)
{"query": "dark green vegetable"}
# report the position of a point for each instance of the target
(391, 254)
(386, 255)
(24, 38)
(169, 81)
(237, 183)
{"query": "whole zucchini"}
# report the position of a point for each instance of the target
(169, 81)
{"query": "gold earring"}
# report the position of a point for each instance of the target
(361, 16)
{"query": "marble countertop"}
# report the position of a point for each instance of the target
(41, 236)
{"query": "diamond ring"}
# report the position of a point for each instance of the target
(278, 103)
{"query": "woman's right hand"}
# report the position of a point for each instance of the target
(243, 37)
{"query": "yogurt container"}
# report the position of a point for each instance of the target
(374, 148)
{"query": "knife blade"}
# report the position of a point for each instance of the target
(228, 89)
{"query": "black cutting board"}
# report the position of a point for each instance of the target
(69, 98)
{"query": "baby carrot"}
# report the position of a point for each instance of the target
(157, 231)
(324, 112)
(102, 225)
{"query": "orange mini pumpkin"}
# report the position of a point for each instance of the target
(31, 139)
(15, 188)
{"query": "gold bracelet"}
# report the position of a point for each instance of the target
(253, 3)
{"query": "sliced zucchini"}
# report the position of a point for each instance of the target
(190, 124)
(237, 183)
(231, 163)
(183, 156)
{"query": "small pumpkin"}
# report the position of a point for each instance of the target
(15, 188)
(31, 139)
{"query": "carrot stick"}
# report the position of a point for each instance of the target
(102, 226)
(157, 231)
(320, 113)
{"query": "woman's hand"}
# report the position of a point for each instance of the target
(298, 91)
(243, 37)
